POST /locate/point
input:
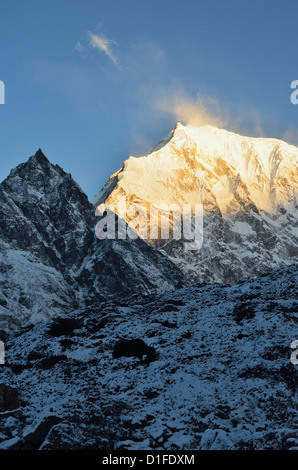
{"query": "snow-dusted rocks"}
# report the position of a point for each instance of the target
(223, 378)
(248, 189)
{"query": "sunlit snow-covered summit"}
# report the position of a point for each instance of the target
(248, 189)
(211, 165)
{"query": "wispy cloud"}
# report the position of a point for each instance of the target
(156, 97)
(197, 111)
(291, 136)
(201, 110)
(103, 44)
(79, 47)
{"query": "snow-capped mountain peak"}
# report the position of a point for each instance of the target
(191, 159)
(247, 184)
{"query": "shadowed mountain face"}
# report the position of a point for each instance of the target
(46, 213)
(51, 260)
(247, 187)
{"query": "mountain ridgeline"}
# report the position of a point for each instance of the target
(51, 261)
(136, 343)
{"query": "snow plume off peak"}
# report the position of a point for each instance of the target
(199, 112)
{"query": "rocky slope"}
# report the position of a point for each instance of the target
(51, 261)
(248, 189)
(223, 378)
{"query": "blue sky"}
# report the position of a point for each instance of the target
(92, 82)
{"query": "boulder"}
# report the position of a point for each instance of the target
(9, 414)
(9, 398)
(16, 443)
(35, 434)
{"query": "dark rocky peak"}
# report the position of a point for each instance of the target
(35, 173)
(46, 212)
(40, 157)
(38, 181)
